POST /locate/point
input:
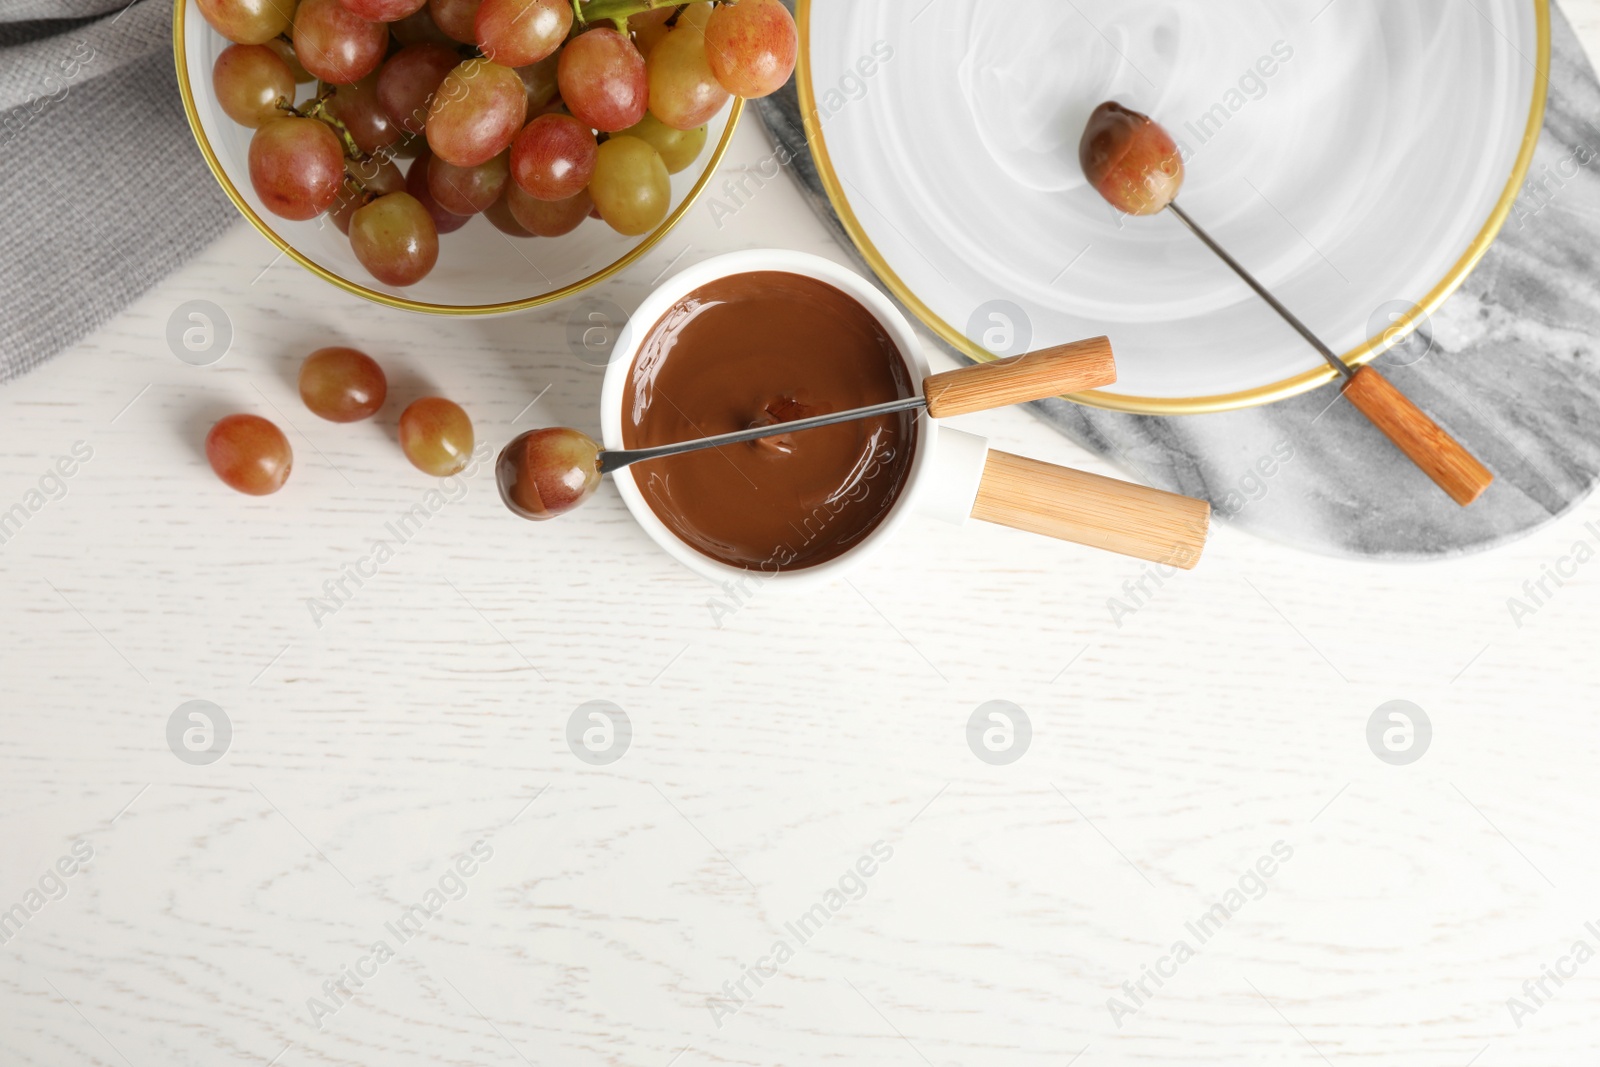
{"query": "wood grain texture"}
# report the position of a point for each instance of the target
(1057, 371)
(1180, 727)
(1441, 457)
(1090, 509)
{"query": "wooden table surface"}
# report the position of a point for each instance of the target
(399, 859)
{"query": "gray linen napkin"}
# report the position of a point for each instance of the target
(102, 191)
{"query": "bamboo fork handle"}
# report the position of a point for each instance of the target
(1441, 457)
(1069, 368)
(1086, 509)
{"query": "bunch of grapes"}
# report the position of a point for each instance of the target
(535, 113)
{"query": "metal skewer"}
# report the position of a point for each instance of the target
(1440, 456)
(1288, 316)
(616, 459)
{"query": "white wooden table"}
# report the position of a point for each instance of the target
(773, 751)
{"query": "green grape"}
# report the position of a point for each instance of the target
(684, 93)
(630, 186)
(677, 148)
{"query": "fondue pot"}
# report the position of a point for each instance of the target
(953, 475)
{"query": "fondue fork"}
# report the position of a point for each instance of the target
(546, 473)
(1136, 165)
(1068, 368)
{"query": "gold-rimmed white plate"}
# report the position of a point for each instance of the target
(480, 270)
(1360, 156)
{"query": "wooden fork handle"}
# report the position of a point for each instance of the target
(1441, 457)
(1068, 368)
(1086, 509)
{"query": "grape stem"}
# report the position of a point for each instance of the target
(617, 11)
(318, 109)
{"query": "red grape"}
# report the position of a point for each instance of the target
(395, 239)
(409, 147)
(351, 198)
(249, 80)
(546, 218)
(356, 106)
(545, 473)
(684, 93)
(248, 21)
(335, 45)
(553, 157)
(477, 113)
(1130, 159)
(602, 79)
(285, 51)
(519, 32)
(419, 28)
(467, 190)
(342, 385)
(677, 148)
(752, 46)
(383, 10)
(296, 167)
(436, 436)
(458, 19)
(499, 213)
(409, 79)
(630, 186)
(378, 174)
(249, 454)
(539, 79)
(417, 185)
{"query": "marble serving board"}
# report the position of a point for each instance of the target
(1510, 363)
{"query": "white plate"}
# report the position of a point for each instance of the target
(1357, 155)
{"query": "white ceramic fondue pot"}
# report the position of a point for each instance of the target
(954, 476)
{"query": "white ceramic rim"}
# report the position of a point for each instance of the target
(650, 311)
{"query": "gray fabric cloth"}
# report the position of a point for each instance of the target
(102, 190)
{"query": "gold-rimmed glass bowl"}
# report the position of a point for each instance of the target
(480, 270)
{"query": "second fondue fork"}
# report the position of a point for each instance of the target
(1068, 368)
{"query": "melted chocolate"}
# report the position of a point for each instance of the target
(764, 348)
